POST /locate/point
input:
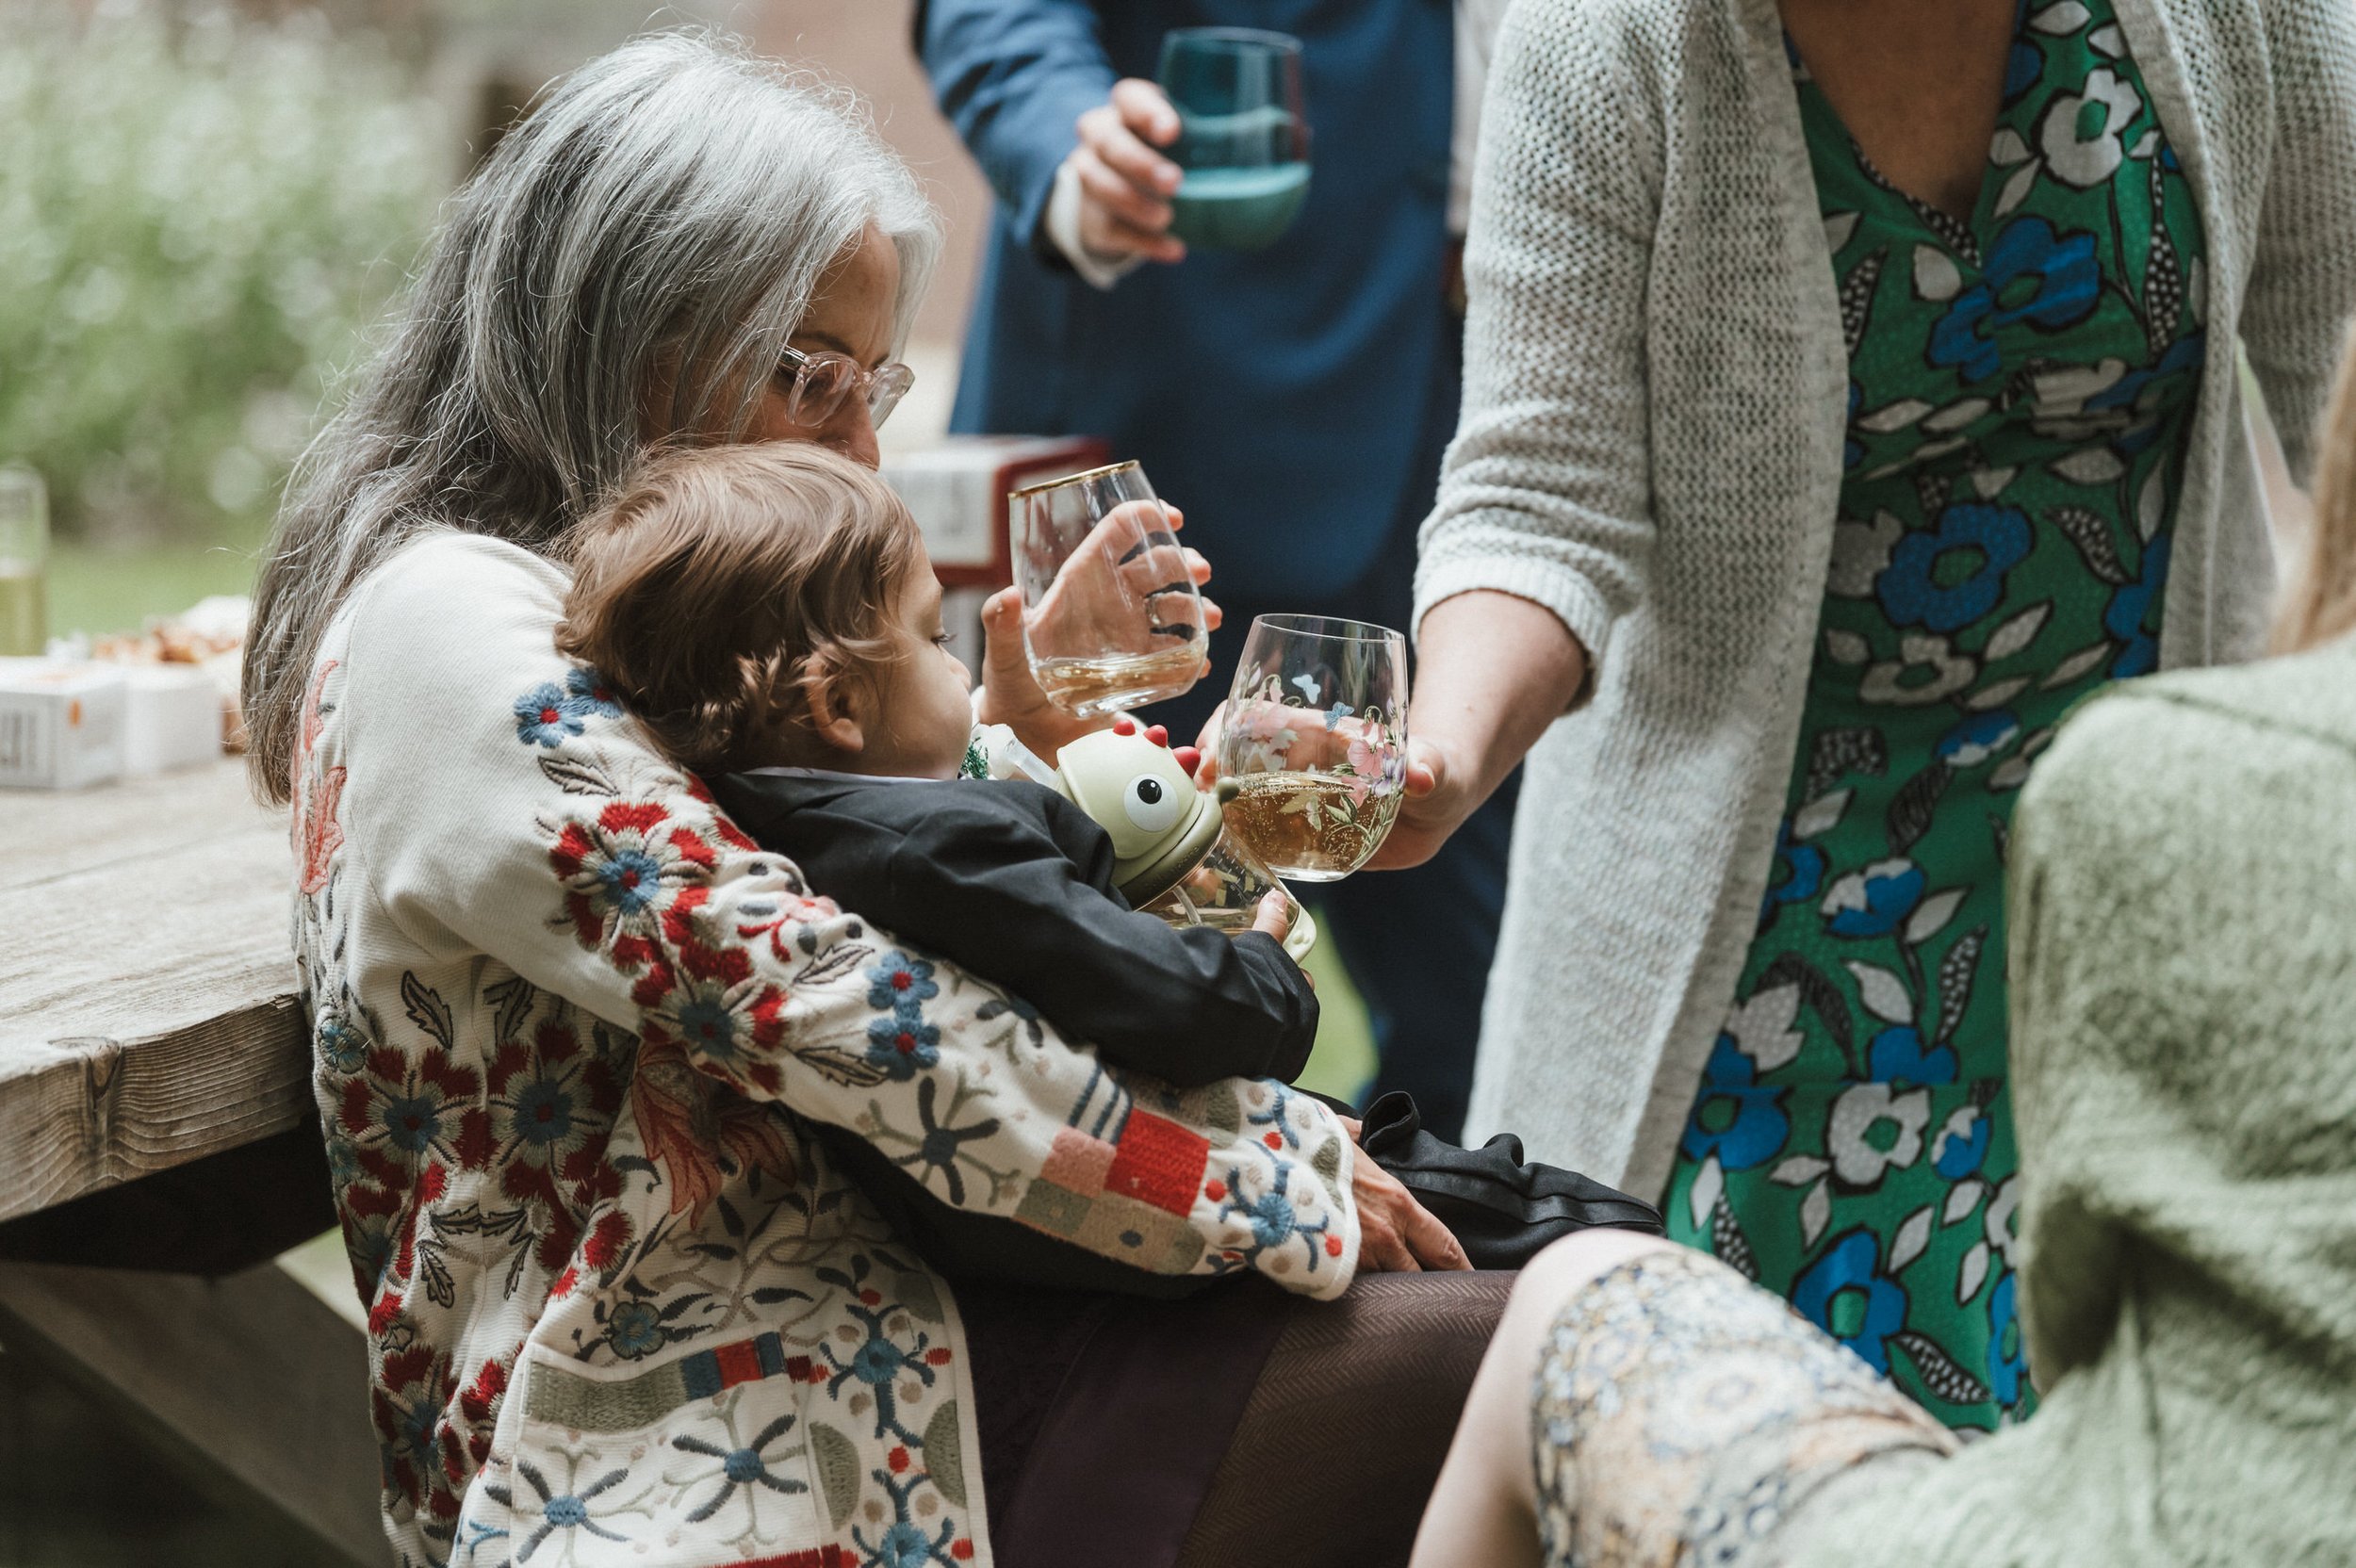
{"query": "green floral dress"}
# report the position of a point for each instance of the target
(2021, 390)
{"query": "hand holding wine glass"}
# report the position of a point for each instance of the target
(1314, 733)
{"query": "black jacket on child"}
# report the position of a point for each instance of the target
(1014, 883)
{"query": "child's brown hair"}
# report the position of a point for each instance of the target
(719, 581)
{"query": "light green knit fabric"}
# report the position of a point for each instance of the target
(2184, 1052)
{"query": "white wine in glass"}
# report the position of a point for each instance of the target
(1316, 737)
(1111, 619)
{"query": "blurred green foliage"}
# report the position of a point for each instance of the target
(197, 214)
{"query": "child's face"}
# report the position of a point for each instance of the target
(921, 716)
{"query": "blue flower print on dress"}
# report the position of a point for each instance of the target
(901, 981)
(1962, 1143)
(2184, 356)
(548, 713)
(1979, 738)
(1946, 578)
(2007, 1356)
(2032, 275)
(2124, 617)
(1845, 1293)
(1874, 902)
(635, 1330)
(1897, 1055)
(1735, 1119)
(1799, 870)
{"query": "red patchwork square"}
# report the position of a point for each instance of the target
(1159, 1163)
(739, 1363)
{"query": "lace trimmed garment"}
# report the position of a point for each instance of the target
(570, 1031)
(2023, 384)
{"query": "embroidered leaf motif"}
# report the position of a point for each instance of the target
(1996, 696)
(2017, 188)
(838, 1065)
(2077, 664)
(1939, 1373)
(1911, 809)
(1956, 973)
(513, 997)
(2089, 465)
(1731, 1246)
(2092, 534)
(426, 1009)
(578, 775)
(832, 963)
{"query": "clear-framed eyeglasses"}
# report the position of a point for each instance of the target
(819, 383)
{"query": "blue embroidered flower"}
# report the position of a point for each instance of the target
(544, 1112)
(1979, 738)
(2007, 1356)
(1962, 1143)
(412, 1123)
(1874, 902)
(1896, 1056)
(706, 1022)
(1947, 577)
(2123, 617)
(901, 982)
(901, 1044)
(340, 1046)
(548, 713)
(1734, 1118)
(1798, 870)
(1844, 1294)
(2034, 275)
(636, 1331)
(627, 880)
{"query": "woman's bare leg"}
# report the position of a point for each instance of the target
(1483, 1511)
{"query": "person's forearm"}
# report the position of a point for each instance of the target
(1495, 672)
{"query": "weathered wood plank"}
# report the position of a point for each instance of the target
(147, 1011)
(249, 1382)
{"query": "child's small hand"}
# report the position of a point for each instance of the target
(1275, 919)
(1009, 694)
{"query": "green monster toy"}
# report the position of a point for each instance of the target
(1173, 855)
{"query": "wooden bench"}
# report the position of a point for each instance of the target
(162, 1146)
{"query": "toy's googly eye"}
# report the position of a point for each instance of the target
(1152, 803)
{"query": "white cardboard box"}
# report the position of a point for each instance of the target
(62, 723)
(172, 719)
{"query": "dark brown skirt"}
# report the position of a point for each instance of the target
(1163, 1435)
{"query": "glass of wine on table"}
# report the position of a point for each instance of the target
(1316, 736)
(1111, 619)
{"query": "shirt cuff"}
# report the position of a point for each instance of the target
(1062, 221)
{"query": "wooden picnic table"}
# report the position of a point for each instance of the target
(161, 1145)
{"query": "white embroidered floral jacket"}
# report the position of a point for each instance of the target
(571, 1029)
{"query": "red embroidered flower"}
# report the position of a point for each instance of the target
(624, 872)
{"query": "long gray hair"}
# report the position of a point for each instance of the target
(667, 211)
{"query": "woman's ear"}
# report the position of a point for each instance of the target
(833, 718)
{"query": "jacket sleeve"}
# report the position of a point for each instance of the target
(509, 811)
(1014, 76)
(2302, 278)
(994, 890)
(1545, 493)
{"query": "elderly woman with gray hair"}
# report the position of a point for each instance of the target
(574, 1031)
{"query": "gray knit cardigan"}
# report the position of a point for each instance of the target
(1655, 393)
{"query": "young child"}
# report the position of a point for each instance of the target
(769, 614)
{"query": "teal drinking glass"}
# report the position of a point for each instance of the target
(1243, 137)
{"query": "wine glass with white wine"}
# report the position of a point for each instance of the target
(1112, 617)
(1316, 736)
